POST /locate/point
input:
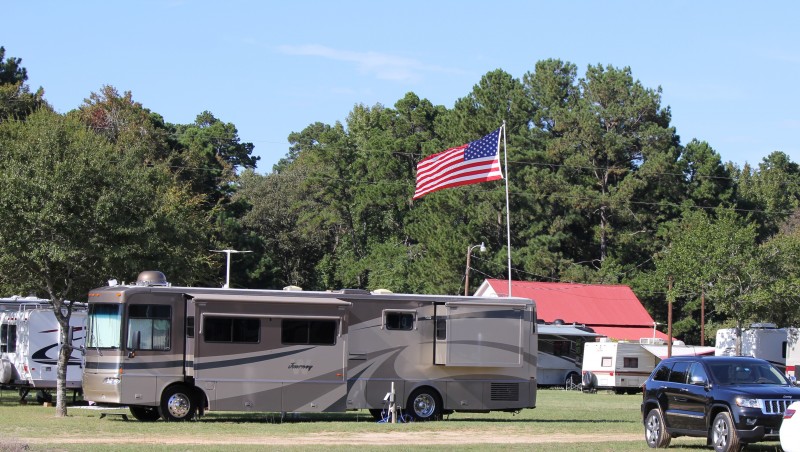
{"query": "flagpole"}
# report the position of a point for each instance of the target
(508, 213)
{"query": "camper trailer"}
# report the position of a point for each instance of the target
(560, 354)
(174, 352)
(761, 340)
(792, 353)
(30, 343)
(624, 366)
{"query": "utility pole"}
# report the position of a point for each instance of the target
(669, 319)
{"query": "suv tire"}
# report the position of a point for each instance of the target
(723, 434)
(655, 432)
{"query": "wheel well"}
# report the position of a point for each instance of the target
(715, 410)
(649, 406)
(200, 396)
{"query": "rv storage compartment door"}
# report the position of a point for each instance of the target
(484, 334)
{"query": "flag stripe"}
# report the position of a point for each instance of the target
(471, 163)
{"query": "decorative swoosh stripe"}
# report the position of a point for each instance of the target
(249, 360)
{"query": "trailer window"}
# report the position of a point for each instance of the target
(240, 330)
(104, 326)
(630, 363)
(8, 338)
(441, 328)
(399, 321)
(605, 361)
(149, 327)
(308, 332)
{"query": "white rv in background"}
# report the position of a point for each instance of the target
(30, 343)
(792, 352)
(560, 354)
(624, 366)
(761, 340)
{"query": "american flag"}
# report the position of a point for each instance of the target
(470, 163)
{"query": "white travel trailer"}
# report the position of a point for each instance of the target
(792, 353)
(624, 366)
(560, 354)
(761, 340)
(174, 352)
(30, 343)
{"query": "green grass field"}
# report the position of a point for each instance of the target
(577, 421)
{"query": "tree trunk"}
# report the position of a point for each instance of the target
(63, 361)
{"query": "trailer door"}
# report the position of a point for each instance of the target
(480, 334)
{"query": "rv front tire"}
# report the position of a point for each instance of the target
(177, 404)
(425, 404)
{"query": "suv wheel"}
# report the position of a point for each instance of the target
(723, 434)
(655, 432)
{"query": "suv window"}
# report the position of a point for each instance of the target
(678, 374)
(662, 373)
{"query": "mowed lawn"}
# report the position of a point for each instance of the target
(563, 421)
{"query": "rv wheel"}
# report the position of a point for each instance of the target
(425, 405)
(43, 397)
(145, 413)
(177, 404)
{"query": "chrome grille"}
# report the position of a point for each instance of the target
(775, 406)
(507, 392)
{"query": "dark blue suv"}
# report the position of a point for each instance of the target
(731, 401)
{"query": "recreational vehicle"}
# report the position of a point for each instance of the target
(624, 366)
(560, 351)
(761, 340)
(792, 353)
(30, 343)
(174, 352)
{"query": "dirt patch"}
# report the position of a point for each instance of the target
(406, 438)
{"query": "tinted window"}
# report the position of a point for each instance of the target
(679, 371)
(8, 338)
(231, 329)
(399, 321)
(662, 373)
(308, 332)
(441, 328)
(630, 362)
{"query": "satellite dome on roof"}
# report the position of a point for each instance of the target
(151, 278)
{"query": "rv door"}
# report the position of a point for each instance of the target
(479, 334)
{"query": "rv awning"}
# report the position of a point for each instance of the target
(660, 351)
(564, 330)
(627, 333)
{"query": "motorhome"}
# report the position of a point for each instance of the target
(624, 366)
(175, 352)
(560, 354)
(30, 342)
(761, 340)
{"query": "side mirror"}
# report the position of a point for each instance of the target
(698, 380)
(82, 350)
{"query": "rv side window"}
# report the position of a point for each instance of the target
(662, 373)
(630, 362)
(241, 330)
(8, 339)
(441, 328)
(149, 327)
(190, 326)
(308, 332)
(399, 321)
(605, 361)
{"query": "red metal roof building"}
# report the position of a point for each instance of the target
(610, 310)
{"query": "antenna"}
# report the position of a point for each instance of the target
(228, 266)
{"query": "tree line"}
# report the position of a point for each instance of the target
(601, 190)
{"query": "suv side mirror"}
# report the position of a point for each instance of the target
(698, 380)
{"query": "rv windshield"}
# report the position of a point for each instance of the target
(104, 326)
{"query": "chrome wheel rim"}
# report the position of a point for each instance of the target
(720, 434)
(424, 405)
(653, 429)
(178, 405)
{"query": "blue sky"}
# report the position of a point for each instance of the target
(728, 69)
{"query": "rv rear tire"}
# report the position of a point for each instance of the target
(177, 404)
(145, 413)
(425, 404)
